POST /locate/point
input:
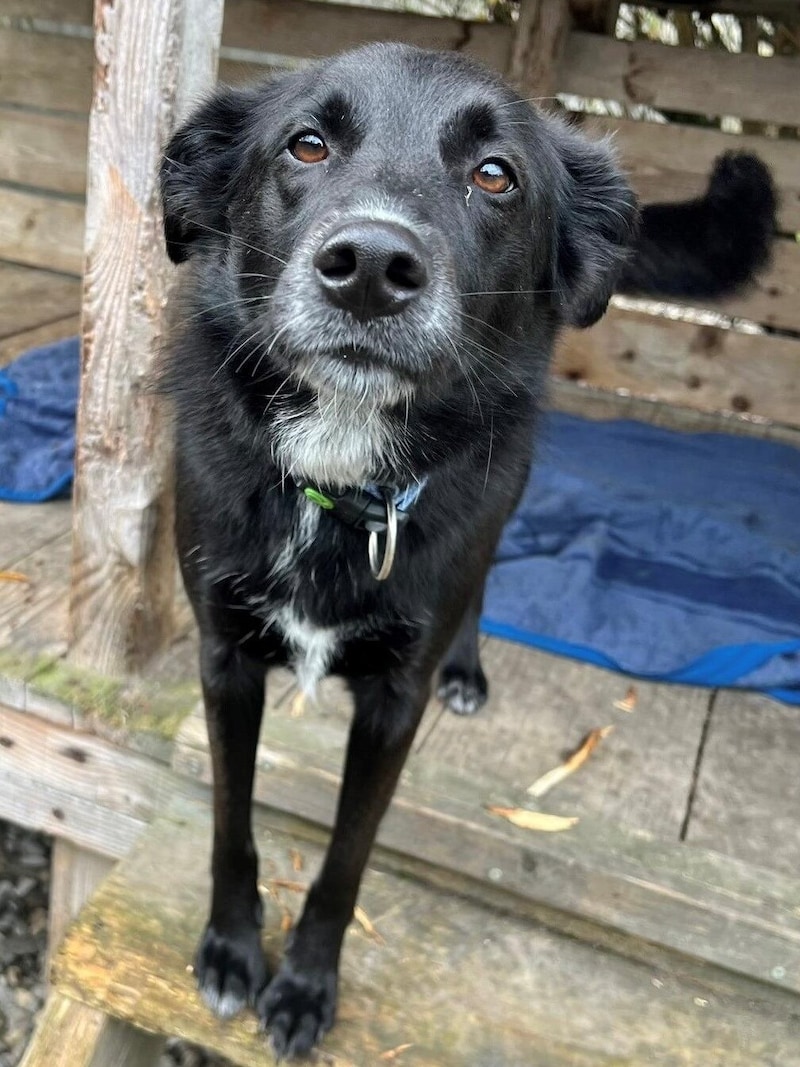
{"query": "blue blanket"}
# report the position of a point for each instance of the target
(665, 555)
(38, 397)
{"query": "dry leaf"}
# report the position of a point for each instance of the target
(297, 860)
(367, 925)
(393, 1053)
(569, 766)
(628, 703)
(286, 883)
(13, 576)
(534, 820)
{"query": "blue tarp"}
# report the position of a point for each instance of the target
(665, 555)
(38, 397)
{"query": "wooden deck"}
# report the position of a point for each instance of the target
(667, 918)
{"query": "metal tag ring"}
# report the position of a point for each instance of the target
(381, 569)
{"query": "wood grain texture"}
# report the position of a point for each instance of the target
(672, 161)
(41, 231)
(17, 343)
(48, 151)
(682, 363)
(46, 70)
(748, 792)
(626, 884)
(152, 64)
(28, 528)
(542, 706)
(592, 403)
(774, 298)
(70, 1034)
(31, 298)
(462, 985)
(75, 873)
(540, 37)
(704, 82)
(310, 29)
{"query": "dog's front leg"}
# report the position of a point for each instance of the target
(298, 1006)
(230, 966)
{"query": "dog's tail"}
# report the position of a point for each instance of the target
(709, 247)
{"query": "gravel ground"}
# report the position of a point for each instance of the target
(24, 893)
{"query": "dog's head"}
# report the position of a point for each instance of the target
(392, 218)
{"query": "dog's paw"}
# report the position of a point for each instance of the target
(463, 692)
(297, 1010)
(230, 969)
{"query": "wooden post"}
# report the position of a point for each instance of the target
(75, 873)
(539, 39)
(70, 1034)
(154, 59)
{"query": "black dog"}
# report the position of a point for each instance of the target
(382, 248)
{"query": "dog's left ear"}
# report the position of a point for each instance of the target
(197, 171)
(596, 226)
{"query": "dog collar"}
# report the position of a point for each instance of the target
(379, 510)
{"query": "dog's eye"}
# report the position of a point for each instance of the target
(493, 177)
(308, 148)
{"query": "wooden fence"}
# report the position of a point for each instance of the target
(46, 63)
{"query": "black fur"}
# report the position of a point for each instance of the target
(446, 368)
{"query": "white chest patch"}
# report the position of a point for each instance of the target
(313, 647)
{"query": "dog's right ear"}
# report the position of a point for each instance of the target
(197, 170)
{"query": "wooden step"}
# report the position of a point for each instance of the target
(429, 978)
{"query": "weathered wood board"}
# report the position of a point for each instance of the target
(42, 231)
(686, 364)
(702, 81)
(542, 706)
(630, 887)
(748, 791)
(70, 1034)
(32, 298)
(459, 984)
(17, 343)
(672, 162)
(48, 151)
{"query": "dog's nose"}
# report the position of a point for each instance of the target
(372, 268)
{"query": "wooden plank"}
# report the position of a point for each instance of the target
(702, 81)
(672, 161)
(540, 35)
(695, 366)
(580, 399)
(31, 298)
(17, 343)
(774, 299)
(76, 786)
(29, 527)
(626, 883)
(74, 876)
(42, 231)
(310, 29)
(40, 596)
(45, 70)
(48, 151)
(748, 790)
(77, 12)
(70, 1034)
(123, 564)
(458, 984)
(542, 706)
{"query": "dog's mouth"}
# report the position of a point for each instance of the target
(357, 371)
